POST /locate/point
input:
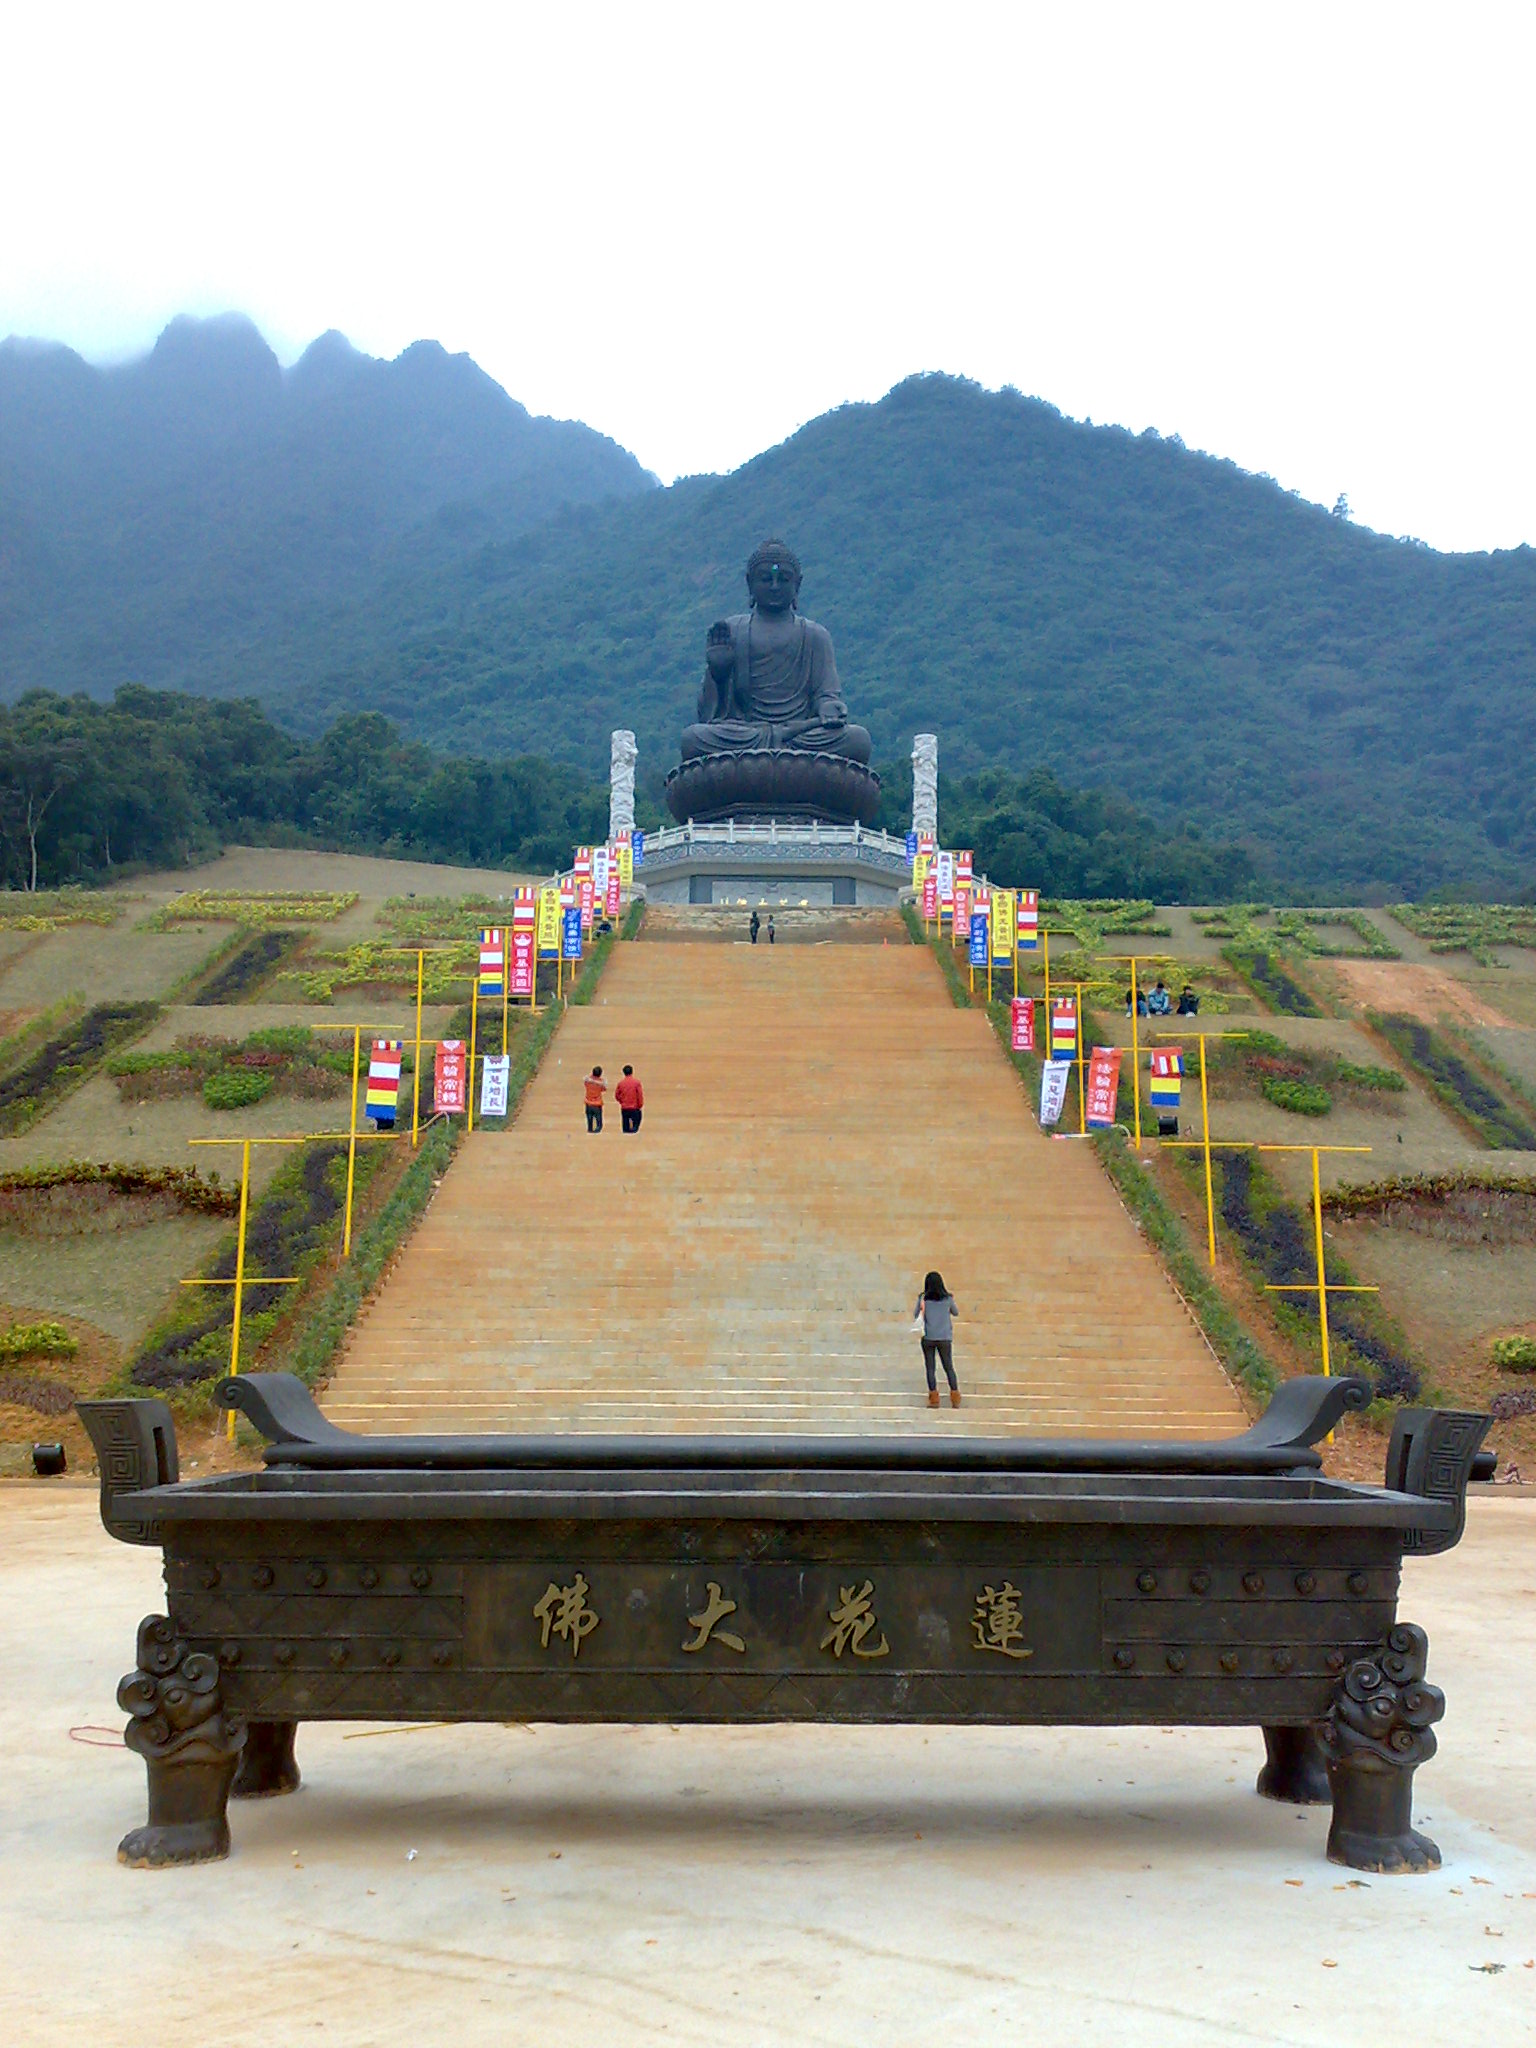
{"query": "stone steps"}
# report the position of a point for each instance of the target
(821, 1126)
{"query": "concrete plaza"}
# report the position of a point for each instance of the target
(793, 1885)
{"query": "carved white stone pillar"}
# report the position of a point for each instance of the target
(621, 784)
(925, 782)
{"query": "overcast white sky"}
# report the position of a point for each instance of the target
(1298, 236)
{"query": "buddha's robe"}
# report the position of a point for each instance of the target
(783, 693)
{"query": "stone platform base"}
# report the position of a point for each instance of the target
(772, 865)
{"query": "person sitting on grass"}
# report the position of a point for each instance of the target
(1159, 1003)
(1189, 1002)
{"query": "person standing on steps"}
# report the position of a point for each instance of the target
(755, 926)
(630, 1097)
(595, 1088)
(936, 1306)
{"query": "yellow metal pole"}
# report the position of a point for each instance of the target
(1205, 1125)
(1322, 1276)
(1135, 1056)
(357, 1047)
(421, 961)
(1045, 940)
(1082, 1108)
(1015, 952)
(469, 1089)
(506, 981)
(234, 1334)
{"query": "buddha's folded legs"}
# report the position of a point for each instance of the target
(734, 736)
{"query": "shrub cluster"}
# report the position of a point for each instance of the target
(37, 1340)
(1515, 1354)
(1270, 980)
(67, 1059)
(1453, 1080)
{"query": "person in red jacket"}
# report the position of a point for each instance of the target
(630, 1097)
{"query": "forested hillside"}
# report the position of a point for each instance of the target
(1358, 712)
(203, 518)
(158, 779)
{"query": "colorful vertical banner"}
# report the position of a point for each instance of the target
(961, 921)
(927, 845)
(1064, 1028)
(1004, 925)
(637, 849)
(494, 1076)
(911, 846)
(582, 878)
(613, 891)
(524, 961)
(1166, 1076)
(921, 868)
(1022, 1014)
(1103, 1086)
(493, 961)
(548, 926)
(930, 895)
(383, 1082)
(450, 1093)
(600, 875)
(946, 862)
(1029, 920)
(624, 846)
(964, 867)
(980, 937)
(570, 935)
(1053, 1090)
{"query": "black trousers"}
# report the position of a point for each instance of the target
(943, 1348)
(594, 1116)
(629, 1119)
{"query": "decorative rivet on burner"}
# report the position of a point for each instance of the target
(283, 1654)
(390, 1655)
(229, 1654)
(315, 1576)
(1306, 1582)
(1358, 1583)
(1336, 1660)
(421, 1577)
(1176, 1660)
(1124, 1658)
(339, 1653)
(1283, 1660)
(262, 1575)
(1228, 1660)
(442, 1655)
(208, 1577)
(1146, 1582)
(1253, 1582)
(368, 1577)
(1200, 1581)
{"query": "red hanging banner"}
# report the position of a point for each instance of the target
(1103, 1086)
(449, 1092)
(1023, 1012)
(930, 895)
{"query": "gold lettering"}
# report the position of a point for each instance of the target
(706, 1623)
(852, 1619)
(564, 1612)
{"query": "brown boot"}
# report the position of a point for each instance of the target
(933, 1398)
(954, 1397)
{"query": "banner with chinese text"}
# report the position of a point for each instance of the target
(549, 921)
(946, 880)
(570, 934)
(930, 895)
(493, 1083)
(1022, 1014)
(1004, 923)
(1053, 1089)
(1103, 1086)
(449, 1092)
(980, 937)
(523, 962)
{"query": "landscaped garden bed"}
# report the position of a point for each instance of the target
(377, 967)
(1305, 1080)
(1271, 981)
(50, 910)
(1474, 928)
(67, 1059)
(247, 966)
(1451, 1077)
(78, 1195)
(261, 907)
(1462, 1208)
(288, 1059)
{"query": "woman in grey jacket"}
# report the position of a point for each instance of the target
(936, 1306)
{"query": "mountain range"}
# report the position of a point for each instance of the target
(1357, 711)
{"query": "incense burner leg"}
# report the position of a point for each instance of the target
(190, 1748)
(1376, 1736)
(267, 1763)
(1295, 1768)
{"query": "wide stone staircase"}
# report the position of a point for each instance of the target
(821, 1126)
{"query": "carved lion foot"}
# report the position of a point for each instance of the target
(1377, 1735)
(268, 1767)
(189, 1745)
(1295, 1768)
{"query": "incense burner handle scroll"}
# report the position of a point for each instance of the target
(1431, 1454)
(135, 1445)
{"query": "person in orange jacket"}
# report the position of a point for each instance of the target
(595, 1088)
(630, 1097)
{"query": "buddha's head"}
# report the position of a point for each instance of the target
(773, 577)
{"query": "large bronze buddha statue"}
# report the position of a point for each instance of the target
(772, 738)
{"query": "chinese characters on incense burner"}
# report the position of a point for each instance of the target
(772, 737)
(567, 1615)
